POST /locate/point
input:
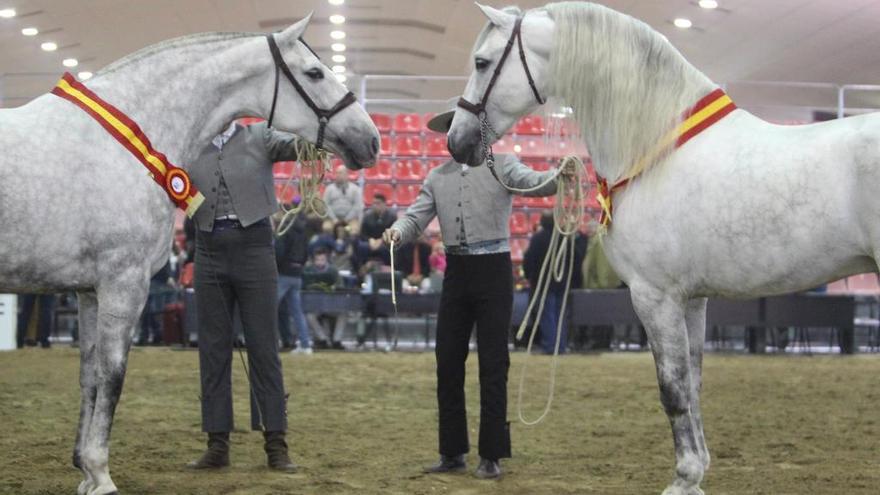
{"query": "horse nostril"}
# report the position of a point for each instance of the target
(374, 145)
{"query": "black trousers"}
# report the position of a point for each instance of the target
(477, 289)
(236, 267)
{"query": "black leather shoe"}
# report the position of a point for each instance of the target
(488, 469)
(448, 464)
(277, 457)
(217, 455)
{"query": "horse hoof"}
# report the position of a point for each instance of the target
(83, 488)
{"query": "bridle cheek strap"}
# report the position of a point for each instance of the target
(323, 115)
(479, 109)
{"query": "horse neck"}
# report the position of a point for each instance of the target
(182, 97)
(626, 83)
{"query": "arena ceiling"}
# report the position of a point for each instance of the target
(835, 41)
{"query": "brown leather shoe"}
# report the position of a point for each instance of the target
(217, 454)
(276, 452)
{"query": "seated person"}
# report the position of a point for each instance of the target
(413, 261)
(320, 274)
(378, 218)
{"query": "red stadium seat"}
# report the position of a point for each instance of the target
(530, 124)
(283, 170)
(408, 145)
(432, 164)
(519, 223)
(284, 194)
(371, 190)
(382, 121)
(353, 175)
(410, 170)
(408, 122)
(545, 202)
(517, 248)
(435, 145)
(381, 172)
(504, 145)
(406, 194)
(519, 201)
(385, 145)
(533, 148)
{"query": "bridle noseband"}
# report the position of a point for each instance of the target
(323, 115)
(479, 109)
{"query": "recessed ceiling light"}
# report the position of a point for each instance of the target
(339, 69)
(84, 75)
(7, 13)
(49, 46)
(341, 78)
(336, 2)
(70, 62)
(337, 35)
(708, 4)
(338, 58)
(683, 23)
(337, 47)
(517, 148)
(337, 19)
(30, 31)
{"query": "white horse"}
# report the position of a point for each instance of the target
(79, 213)
(744, 209)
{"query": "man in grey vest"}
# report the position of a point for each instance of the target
(235, 266)
(474, 212)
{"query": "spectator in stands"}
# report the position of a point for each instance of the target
(291, 255)
(413, 260)
(343, 256)
(44, 304)
(344, 200)
(533, 259)
(323, 240)
(378, 218)
(235, 267)
(474, 210)
(161, 293)
(321, 275)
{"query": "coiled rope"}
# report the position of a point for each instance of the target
(314, 163)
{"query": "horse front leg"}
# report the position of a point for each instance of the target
(88, 325)
(664, 318)
(695, 317)
(119, 309)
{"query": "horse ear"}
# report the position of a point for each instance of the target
(499, 18)
(295, 31)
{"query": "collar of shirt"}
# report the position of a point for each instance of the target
(225, 136)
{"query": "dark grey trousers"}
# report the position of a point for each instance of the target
(236, 267)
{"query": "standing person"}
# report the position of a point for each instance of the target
(45, 304)
(376, 220)
(345, 201)
(533, 258)
(235, 266)
(474, 210)
(291, 255)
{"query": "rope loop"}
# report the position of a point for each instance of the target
(314, 163)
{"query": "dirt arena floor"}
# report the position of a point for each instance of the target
(364, 423)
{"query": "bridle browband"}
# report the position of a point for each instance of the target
(323, 115)
(479, 109)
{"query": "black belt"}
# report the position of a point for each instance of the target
(234, 223)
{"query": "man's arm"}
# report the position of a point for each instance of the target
(521, 176)
(328, 198)
(280, 145)
(416, 218)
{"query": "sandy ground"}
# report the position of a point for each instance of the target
(365, 423)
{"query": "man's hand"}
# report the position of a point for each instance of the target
(570, 169)
(391, 235)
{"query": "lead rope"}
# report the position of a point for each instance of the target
(314, 164)
(394, 297)
(567, 215)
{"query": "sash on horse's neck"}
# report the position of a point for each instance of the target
(174, 180)
(709, 110)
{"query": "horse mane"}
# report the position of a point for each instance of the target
(174, 43)
(627, 84)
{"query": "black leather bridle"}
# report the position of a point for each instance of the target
(323, 115)
(479, 109)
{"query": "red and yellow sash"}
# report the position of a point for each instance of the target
(710, 109)
(174, 180)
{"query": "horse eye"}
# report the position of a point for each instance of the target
(481, 63)
(315, 74)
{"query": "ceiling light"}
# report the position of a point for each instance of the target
(708, 4)
(30, 31)
(341, 78)
(49, 46)
(70, 62)
(339, 69)
(337, 19)
(682, 23)
(336, 2)
(84, 75)
(337, 35)
(7, 13)
(517, 148)
(337, 47)
(338, 58)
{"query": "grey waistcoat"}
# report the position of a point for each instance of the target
(246, 166)
(473, 197)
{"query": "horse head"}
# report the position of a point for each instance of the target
(310, 102)
(511, 63)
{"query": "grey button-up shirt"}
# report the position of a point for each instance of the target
(470, 197)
